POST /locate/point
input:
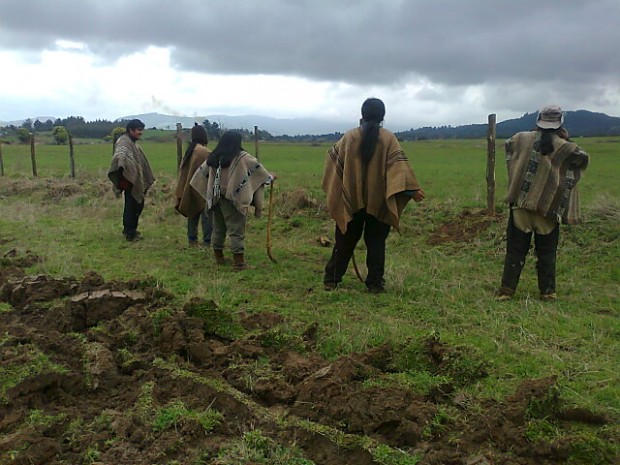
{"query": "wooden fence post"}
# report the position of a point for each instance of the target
(71, 158)
(256, 142)
(491, 163)
(33, 158)
(1, 161)
(179, 145)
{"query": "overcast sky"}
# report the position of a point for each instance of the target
(433, 62)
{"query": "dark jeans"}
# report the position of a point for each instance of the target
(375, 233)
(207, 227)
(131, 215)
(517, 248)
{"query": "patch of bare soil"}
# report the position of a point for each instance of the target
(53, 189)
(465, 227)
(298, 200)
(93, 372)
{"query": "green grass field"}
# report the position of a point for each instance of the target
(445, 290)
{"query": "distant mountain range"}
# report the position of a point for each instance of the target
(275, 126)
(578, 123)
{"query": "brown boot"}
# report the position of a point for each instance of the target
(238, 262)
(219, 257)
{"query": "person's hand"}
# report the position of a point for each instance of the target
(124, 184)
(418, 195)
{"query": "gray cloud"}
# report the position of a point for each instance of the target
(372, 41)
(518, 54)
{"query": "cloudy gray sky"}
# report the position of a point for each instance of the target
(433, 62)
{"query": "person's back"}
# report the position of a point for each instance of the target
(543, 170)
(367, 181)
(231, 180)
(188, 202)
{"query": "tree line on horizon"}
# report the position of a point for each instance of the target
(578, 123)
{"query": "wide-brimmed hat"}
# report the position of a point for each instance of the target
(550, 117)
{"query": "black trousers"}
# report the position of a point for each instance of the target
(375, 233)
(517, 248)
(131, 214)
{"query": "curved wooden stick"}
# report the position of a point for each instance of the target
(357, 271)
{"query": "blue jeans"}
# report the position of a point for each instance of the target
(207, 227)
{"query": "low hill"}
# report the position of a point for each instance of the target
(580, 123)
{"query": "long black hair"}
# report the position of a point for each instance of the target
(227, 149)
(546, 140)
(199, 136)
(373, 111)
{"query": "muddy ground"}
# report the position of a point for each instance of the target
(468, 225)
(116, 373)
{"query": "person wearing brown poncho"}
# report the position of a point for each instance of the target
(130, 173)
(189, 203)
(368, 181)
(543, 170)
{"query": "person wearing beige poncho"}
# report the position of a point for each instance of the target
(367, 181)
(188, 202)
(131, 173)
(543, 170)
(230, 181)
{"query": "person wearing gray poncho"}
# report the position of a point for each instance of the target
(543, 170)
(130, 173)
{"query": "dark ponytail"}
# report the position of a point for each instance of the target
(199, 136)
(546, 141)
(227, 149)
(373, 111)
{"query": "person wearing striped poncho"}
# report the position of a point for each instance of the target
(131, 173)
(544, 168)
(367, 181)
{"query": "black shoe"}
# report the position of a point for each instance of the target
(376, 289)
(134, 236)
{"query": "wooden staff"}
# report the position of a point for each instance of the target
(256, 143)
(491, 164)
(33, 157)
(71, 157)
(1, 161)
(269, 221)
(179, 145)
(357, 271)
